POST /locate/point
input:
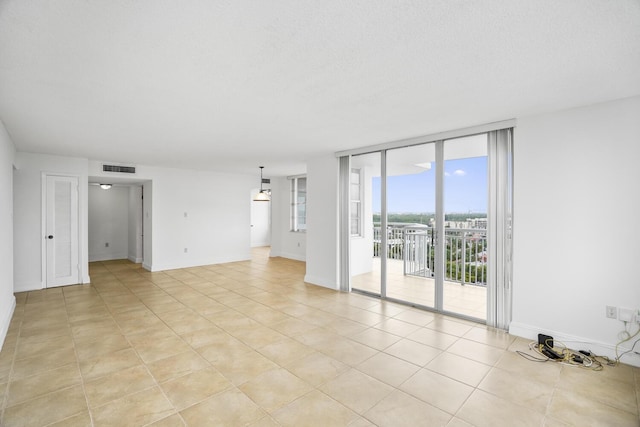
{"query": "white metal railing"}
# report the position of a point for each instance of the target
(465, 251)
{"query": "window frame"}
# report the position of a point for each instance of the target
(294, 216)
(359, 214)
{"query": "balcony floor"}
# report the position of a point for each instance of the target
(468, 300)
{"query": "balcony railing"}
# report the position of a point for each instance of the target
(465, 251)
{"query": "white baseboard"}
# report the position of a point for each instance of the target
(577, 343)
(134, 259)
(288, 255)
(195, 263)
(6, 321)
(28, 286)
(106, 257)
(36, 286)
(319, 281)
(260, 244)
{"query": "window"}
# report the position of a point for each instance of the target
(356, 202)
(299, 204)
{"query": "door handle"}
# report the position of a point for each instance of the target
(50, 236)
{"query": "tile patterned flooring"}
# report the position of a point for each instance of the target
(249, 343)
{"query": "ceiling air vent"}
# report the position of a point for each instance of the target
(117, 168)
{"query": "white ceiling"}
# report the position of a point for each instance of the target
(231, 85)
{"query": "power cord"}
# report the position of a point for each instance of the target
(629, 337)
(565, 356)
(585, 359)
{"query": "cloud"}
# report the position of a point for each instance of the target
(459, 172)
(447, 174)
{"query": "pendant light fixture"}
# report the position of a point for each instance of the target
(263, 195)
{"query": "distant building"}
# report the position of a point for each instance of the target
(478, 223)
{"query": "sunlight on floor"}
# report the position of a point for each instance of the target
(468, 300)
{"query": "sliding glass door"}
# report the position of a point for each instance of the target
(365, 209)
(418, 219)
(411, 208)
(431, 224)
(436, 198)
(464, 203)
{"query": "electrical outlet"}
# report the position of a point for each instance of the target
(626, 315)
(612, 312)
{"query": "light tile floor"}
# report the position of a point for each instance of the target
(249, 343)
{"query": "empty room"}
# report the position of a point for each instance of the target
(296, 213)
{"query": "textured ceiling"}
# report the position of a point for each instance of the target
(230, 85)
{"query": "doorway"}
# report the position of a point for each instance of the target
(260, 222)
(117, 220)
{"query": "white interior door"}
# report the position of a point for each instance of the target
(61, 231)
(260, 223)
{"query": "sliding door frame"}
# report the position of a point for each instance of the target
(500, 214)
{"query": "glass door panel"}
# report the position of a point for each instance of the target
(419, 219)
(364, 216)
(465, 197)
(411, 186)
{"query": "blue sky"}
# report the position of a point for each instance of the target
(465, 189)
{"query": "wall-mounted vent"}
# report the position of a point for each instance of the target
(266, 180)
(117, 168)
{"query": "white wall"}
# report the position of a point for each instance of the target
(216, 228)
(7, 300)
(284, 242)
(108, 223)
(322, 222)
(576, 225)
(27, 209)
(134, 219)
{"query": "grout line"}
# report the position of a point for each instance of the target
(155, 381)
(75, 352)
